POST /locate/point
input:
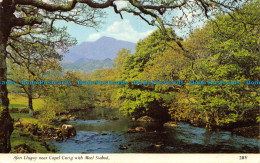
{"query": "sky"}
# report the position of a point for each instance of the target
(130, 28)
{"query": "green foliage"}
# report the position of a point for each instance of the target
(60, 98)
(225, 49)
(232, 54)
(139, 100)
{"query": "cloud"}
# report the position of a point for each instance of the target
(121, 4)
(122, 31)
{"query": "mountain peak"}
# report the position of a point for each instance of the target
(105, 47)
(105, 39)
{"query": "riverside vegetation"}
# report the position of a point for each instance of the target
(226, 48)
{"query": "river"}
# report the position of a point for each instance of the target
(98, 135)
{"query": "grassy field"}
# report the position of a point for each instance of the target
(20, 101)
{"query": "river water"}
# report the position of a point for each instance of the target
(107, 136)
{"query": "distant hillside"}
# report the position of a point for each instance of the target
(88, 65)
(105, 47)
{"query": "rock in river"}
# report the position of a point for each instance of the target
(140, 129)
(170, 124)
(137, 129)
(68, 131)
(146, 119)
(121, 147)
(130, 130)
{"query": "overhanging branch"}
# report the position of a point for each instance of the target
(26, 21)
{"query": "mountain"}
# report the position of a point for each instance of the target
(103, 48)
(87, 65)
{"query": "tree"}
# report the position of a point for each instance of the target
(31, 60)
(230, 52)
(15, 15)
(67, 96)
(32, 72)
(138, 99)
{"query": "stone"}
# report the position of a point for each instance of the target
(140, 129)
(146, 119)
(68, 131)
(122, 147)
(159, 144)
(73, 118)
(137, 129)
(170, 124)
(131, 130)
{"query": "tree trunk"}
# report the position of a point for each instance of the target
(30, 100)
(6, 122)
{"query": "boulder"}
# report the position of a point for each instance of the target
(131, 130)
(159, 144)
(73, 118)
(170, 124)
(121, 147)
(68, 131)
(140, 129)
(137, 129)
(146, 119)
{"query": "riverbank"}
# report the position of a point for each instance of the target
(249, 132)
(31, 135)
(128, 136)
(32, 140)
(25, 139)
